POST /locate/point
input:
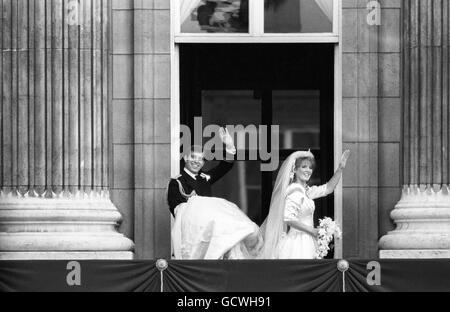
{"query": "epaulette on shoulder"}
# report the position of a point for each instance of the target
(177, 177)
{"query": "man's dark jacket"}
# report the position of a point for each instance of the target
(201, 185)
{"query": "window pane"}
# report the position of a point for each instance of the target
(242, 186)
(232, 107)
(214, 16)
(298, 16)
(298, 115)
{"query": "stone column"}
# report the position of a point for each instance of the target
(54, 199)
(422, 216)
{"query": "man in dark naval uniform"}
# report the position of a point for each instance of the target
(207, 228)
(192, 180)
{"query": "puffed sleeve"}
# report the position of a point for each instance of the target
(317, 191)
(292, 207)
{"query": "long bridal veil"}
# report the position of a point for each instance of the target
(273, 227)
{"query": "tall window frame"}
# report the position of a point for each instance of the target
(256, 35)
(256, 32)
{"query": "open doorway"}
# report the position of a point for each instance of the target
(290, 85)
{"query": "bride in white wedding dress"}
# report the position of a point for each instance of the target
(289, 231)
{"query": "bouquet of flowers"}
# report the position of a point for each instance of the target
(327, 230)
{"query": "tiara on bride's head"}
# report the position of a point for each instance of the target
(304, 154)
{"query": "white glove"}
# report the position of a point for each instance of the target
(227, 139)
(344, 159)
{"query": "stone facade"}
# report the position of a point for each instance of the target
(371, 124)
(140, 93)
(371, 114)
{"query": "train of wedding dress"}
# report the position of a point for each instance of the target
(213, 228)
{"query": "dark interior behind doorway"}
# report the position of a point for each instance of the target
(263, 80)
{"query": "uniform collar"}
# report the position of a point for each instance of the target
(192, 175)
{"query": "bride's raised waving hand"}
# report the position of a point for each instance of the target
(334, 181)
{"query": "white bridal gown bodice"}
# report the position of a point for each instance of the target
(299, 206)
